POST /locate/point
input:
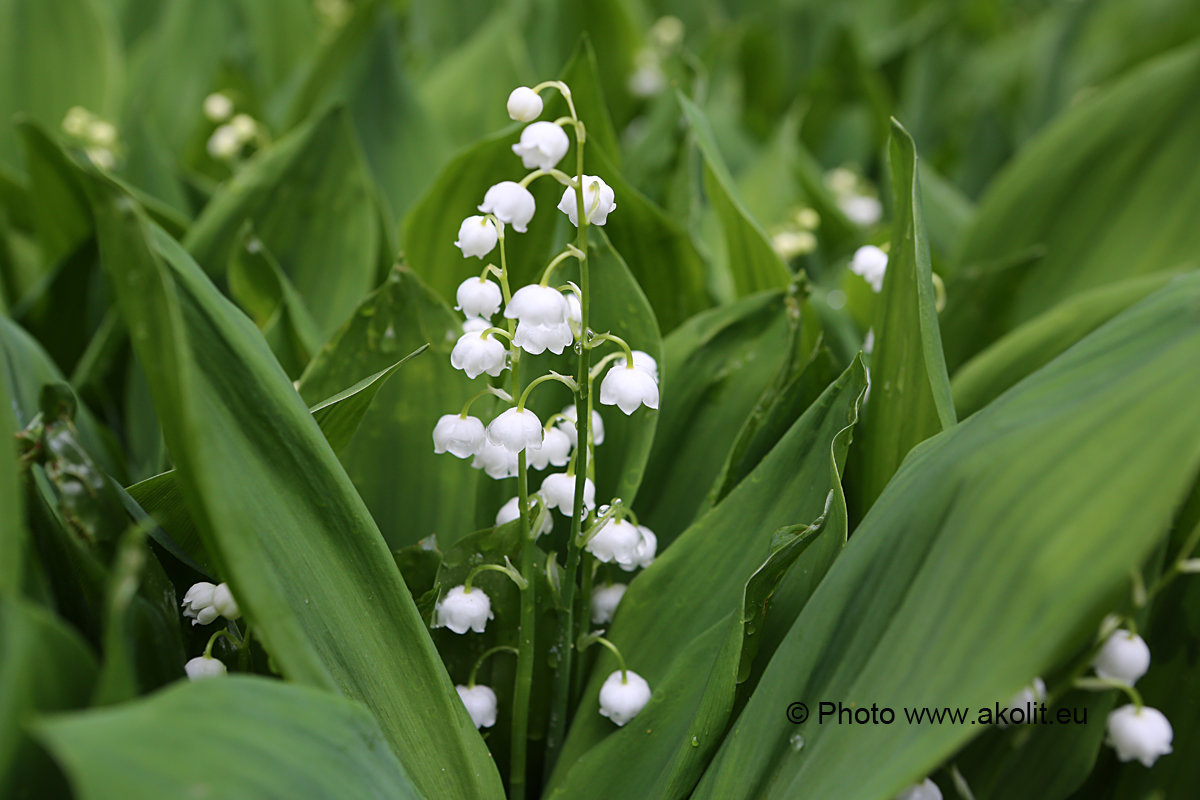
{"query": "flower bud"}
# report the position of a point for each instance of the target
(598, 200)
(516, 429)
(1124, 657)
(477, 236)
(524, 104)
(478, 297)
(461, 436)
(542, 145)
(480, 702)
(202, 667)
(461, 610)
(218, 107)
(627, 388)
(224, 144)
(198, 603)
(623, 695)
(559, 491)
(605, 601)
(476, 353)
(511, 203)
(1141, 733)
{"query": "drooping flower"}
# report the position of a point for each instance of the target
(515, 429)
(1139, 733)
(542, 145)
(555, 450)
(647, 548)
(616, 541)
(559, 491)
(461, 610)
(524, 104)
(925, 790)
(627, 388)
(496, 460)
(204, 602)
(623, 695)
(511, 510)
(224, 603)
(202, 667)
(567, 426)
(598, 199)
(605, 601)
(511, 203)
(871, 263)
(477, 236)
(460, 436)
(538, 305)
(480, 702)
(478, 297)
(1125, 657)
(537, 339)
(477, 353)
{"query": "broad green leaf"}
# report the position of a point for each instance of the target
(910, 391)
(282, 35)
(55, 54)
(989, 558)
(1037, 342)
(278, 513)
(669, 623)
(312, 204)
(44, 666)
(233, 737)
(1100, 190)
(339, 416)
(750, 260)
(12, 517)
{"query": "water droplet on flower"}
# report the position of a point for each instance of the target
(797, 742)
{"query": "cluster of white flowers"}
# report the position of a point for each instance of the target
(203, 603)
(233, 132)
(98, 136)
(1134, 731)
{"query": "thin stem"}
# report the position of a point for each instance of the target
(617, 340)
(213, 640)
(508, 569)
(491, 391)
(592, 638)
(1104, 684)
(553, 376)
(557, 174)
(501, 649)
(570, 252)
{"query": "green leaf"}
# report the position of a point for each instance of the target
(44, 666)
(12, 517)
(233, 737)
(989, 558)
(312, 204)
(278, 513)
(1100, 190)
(53, 55)
(910, 390)
(339, 416)
(669, 624)
(750, 260)
(1037, 342)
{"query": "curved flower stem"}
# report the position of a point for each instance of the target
(213, 640)
(508, 569)
(487, 654)
(592, 638)
(1104, 684)
(557, 174)
(490, 391)
(570, 252)
(617, 340)
(552, 376)
(565, 644)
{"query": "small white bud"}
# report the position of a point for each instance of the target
(598, 201)
(542, 145)
(605, 601)
(224, 603)
(511, 203)
(458, 435)
(101, 133)
(244, 126)
(524, 104)
(461, 610)
(1143, 734)
(871, 263)
(102, 157)
(218, 107)
(861, 209)
(224, 144)
(1125, 657)
(202, 667)
(76, 122)
(623, 695)
(198, 603)
(480, 702)
(477, 236)
(478, 297)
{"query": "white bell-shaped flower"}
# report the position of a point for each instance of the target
(617, 542)
(1139, 733)
(478, 297)
(480, 702)
(516, 429)
(524, 104)
(542, 145)
(925, 790)
(511, 510)
(643, 361)
(605, 601)
(477, 236)
(537, 305)
(537, 339)
(1025, 703)
(461, 611)
(1125, 657)
(623, 695)
(477, 353)
(202, 667)
(511, 203)
(555, 450)
(458, 435)
(496, 460)
(567, 426)
(871, 263)
(198, 603)
(647, 548)
(559, 491)
(598, 199)
(224, 603)
(627, 388)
